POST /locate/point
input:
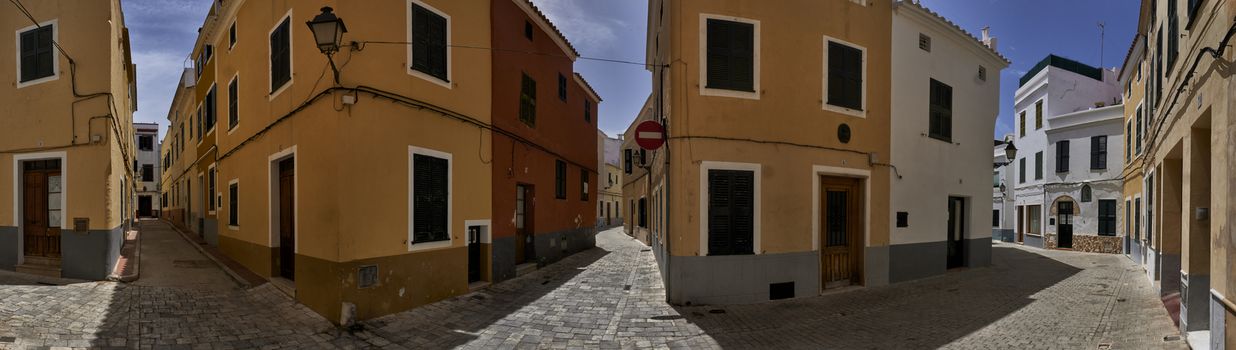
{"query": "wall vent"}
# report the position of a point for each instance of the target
(367, 276)
(783, 290)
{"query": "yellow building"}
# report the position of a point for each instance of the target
(348, 187)
(1186, 163)
(736, 209)
(609, 187)
(1132, 74)
(66, 137)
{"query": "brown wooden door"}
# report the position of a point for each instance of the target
(841, 230)
(287, 218)
(525, 247)
(41, 208)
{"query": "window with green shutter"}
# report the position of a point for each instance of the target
(37, 54)
(940, 112)
(731, 55)
(430, 198)
(845, 76)
(527, 101)
(280, 56)
(429, 42)
(560, 174)
(731, 212)
(1098, 152)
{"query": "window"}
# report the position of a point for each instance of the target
(38, 56)
(1098, 152)
(1021, 171)
(147, 172)
(233, 109)
(203, 57)
(1128, 219)
(429, 42)
(430, 199)
(627, 160)
(527, 101)
(643, 213)
(231, 36)
(1173, 36)
(280, 55)
(731, 208)
(233, 204)
(1086, 193)
(1035, 219)
(1128, 142)
(1062, 156)
(145, 142)
(528, 30)
(924, 42)
(588, 110)
(1150, 208)
(845, 76)
(982, 73)
(995, 218)
(210, 192)
(731, 55)
(1138, 138)
(941, 111)
(1137, 218)
(1038, 165)
(1021, 123)
(1038, 115)
(1192, 12)
(210, 109)
(200, 127)
(562, 87)
(583, 177)
(560, 179)
(1107, 217)
(995, 179)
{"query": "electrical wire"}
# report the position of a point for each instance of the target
(360, 46)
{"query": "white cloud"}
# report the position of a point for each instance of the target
(158, 74)
(588, 32)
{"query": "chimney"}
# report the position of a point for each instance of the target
(988, 40)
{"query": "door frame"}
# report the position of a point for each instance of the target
(964, 229)
(757, 207)
(272, 197)
(486, 238)
(18, 194)
(864, 180)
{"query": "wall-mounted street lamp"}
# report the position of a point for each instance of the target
(1010, 152)
(327, 34)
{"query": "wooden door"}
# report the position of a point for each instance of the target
(841, 240)
(524, 246)
(956, 232)
(41, 208)
(1064, 225)
(287, 219)
(144, 204)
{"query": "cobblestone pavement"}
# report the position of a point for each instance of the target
(611, 297)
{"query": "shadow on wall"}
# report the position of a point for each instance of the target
(891, 317)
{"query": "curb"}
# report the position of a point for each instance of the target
(134, 261)
(235, 276)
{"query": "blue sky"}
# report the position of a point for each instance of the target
(163, 33)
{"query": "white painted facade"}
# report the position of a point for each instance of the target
(1066, 97)
(148, 159)
(931, 169)
(1003, 218)
(1105, 183)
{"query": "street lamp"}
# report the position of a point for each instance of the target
(328, 33)
(327, 30)
(1010, 152)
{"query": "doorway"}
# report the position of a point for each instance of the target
(287, 218)
(474, 253)
(956, 241)
(144, 206)
(841, 221)
(1021, 224)
(525, 245)
(1064, 225)
(41, 207)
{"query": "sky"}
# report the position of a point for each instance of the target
(1028, 30)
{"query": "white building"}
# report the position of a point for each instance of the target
(1072, 100)
(945, 100)
(609, 187)
(148, 169)
(1002, 218)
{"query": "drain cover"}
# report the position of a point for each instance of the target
(716, 311)
(8, 339)
(192, 264)
(666, 317)
(1171, 338)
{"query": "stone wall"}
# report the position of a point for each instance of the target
(1089, 243)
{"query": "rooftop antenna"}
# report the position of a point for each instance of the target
(1101, 32)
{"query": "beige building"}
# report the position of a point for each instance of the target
(1186, 162)
(772, 171)
(66, 137)
(609, 185)
(1132, 73)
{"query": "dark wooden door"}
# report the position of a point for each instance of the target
(525, 245)
(841, 232)
(41, 208)
(956, 232)
(144, 206)
(474, 254)
(287, 218)
(1064, 225)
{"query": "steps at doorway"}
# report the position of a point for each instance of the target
(524, 269)
(42, 266)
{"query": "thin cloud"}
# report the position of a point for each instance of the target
(589, 32)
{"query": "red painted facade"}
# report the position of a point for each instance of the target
(526, 154)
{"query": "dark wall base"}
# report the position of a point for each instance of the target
(1218, 323)
(741, 279)
(913, 261)
(1032, 241)
(211, 235)
(8, 247)
(978, 252)
(503, 259)
(550, 247)
(1194, 302)
(90, 255)
(1169, 274)
(1002, 234)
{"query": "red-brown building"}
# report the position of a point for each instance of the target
(544, 144)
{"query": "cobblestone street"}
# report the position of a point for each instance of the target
(611, 297)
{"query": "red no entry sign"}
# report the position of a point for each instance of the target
(649, 135)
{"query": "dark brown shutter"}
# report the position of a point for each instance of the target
(280, 57)
(44, 60)
(731, 207)
(420, 39)
(731, 55)
(437, 46)
(430, 190)
(29, 45)
(845, 76)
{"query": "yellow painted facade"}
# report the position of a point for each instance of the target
(81, 115)
(352, 145)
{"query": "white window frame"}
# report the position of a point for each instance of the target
(449, 50)
(291, 56)
(215, 88)
(233, 29)
(234, 182)
(232, 128)
(450, 199)
(55, 23)
(824, 86)
(703, 58)
(705, 166)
